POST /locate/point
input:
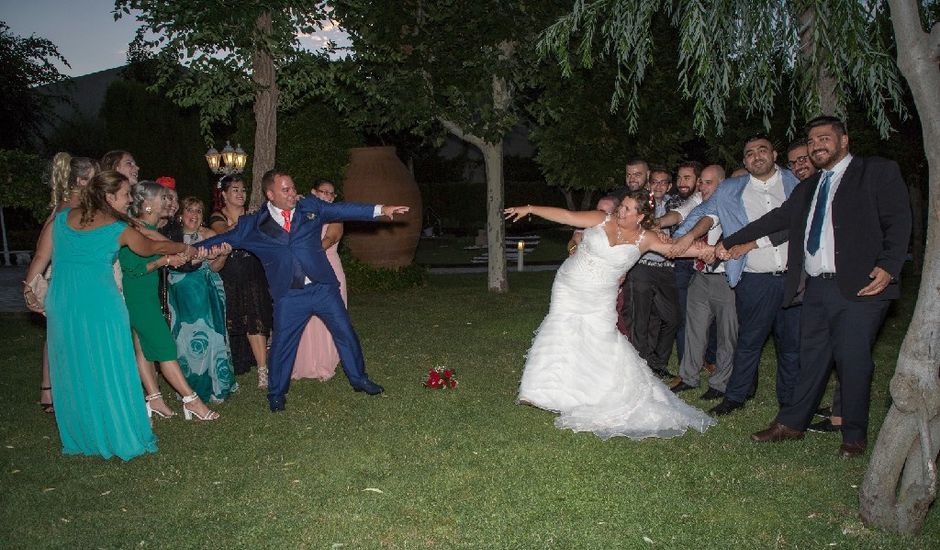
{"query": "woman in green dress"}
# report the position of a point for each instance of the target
(99, 408)
(153, 339)
(196, 300)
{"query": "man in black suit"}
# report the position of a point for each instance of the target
(849, 229)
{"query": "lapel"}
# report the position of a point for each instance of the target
(850, 182)
(269, 227)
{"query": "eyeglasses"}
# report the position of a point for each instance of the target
(799, 160)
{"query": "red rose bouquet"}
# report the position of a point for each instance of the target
(440, 377)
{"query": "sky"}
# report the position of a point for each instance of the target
(85, 31)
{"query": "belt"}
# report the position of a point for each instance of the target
(827, 276)
(778, 273)
(654, 263)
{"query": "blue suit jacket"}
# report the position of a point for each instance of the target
(280, 252)
(728, 205)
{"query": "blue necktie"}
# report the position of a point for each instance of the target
(819, 214)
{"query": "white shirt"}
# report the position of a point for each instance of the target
(760, 197)
(276, 213)
(686, 207)
(711, 238)
(824, 260)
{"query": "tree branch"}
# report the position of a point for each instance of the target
(457, 131)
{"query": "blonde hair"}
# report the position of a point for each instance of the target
(64, 173)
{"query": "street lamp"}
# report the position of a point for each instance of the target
(230, 161)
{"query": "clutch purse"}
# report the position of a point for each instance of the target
(38, 286)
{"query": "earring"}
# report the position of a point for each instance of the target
(148, 209)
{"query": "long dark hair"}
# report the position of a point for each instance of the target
(218, 201)
(95, 196)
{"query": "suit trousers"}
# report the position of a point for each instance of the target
(757, 299)
(683, 272)
(710, 300)
(655, 312)
(843, 332)
(291, 313)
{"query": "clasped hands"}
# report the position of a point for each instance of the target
(214, 252)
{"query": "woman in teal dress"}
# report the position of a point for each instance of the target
(196, 299)
(141, 279)
(100, 410)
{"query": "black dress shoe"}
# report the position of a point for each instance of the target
(712, 393)
(661, 372)
(824, 412)
(853, 449)
(823, 426)
(681, 387)
(369, 387)
(277, 403)
(725, 407)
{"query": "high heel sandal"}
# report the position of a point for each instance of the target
(188, 413)
(46, 407)
(151, 411)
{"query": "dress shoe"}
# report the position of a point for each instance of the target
(824, 412)
(823, 426)
(712, 393)
(726, 406)
(681, 387)
(661, 372)
(278, 404)
(369, 387)
(776, 432)
(852, 449)
(709, 368)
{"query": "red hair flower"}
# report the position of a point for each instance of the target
(167, 181)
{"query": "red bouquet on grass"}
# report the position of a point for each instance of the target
(440, 377)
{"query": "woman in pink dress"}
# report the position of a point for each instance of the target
(316, 354)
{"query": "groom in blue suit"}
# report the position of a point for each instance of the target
(285, 235)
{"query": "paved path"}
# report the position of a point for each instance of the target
(11, 289)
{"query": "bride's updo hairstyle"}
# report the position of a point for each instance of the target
(644, 205)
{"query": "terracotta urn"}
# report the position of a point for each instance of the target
(376, 175)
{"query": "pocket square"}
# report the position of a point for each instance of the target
(311, 216)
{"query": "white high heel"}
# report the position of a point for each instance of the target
(188, 413)
(151, 411)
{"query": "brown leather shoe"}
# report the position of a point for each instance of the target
(776, 432)
(709, 368)
(852, 449)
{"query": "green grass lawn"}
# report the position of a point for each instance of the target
(418, 468)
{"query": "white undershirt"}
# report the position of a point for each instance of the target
(824, 260)
(760, 197)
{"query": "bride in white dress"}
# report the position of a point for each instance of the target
(579, 365)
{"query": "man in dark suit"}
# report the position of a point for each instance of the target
(849, 229)
(285, 235)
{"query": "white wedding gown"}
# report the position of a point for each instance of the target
(580, 365)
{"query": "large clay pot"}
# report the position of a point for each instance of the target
(376, 175)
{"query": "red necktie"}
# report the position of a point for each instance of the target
(286, 214)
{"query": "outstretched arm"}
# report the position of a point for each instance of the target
(142, 246)
(588, 218)
(697, 249)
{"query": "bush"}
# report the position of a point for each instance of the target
(364, 278)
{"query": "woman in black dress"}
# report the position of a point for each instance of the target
(247, 299)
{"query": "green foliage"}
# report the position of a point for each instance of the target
(21, 183)
(25, 64)
(733, 52)
(314, 142)
(363, 277)
(216, 42)
(163, 138)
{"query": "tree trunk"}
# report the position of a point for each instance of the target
(586, 199)
(917, 228)
(265, 108)
(825, 83)
(569, 197)
(908, 441)
(497, 280)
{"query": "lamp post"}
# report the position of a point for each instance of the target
(230, 161)
(519, 258)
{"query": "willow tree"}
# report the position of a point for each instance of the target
(235, 53)
(732, 54)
